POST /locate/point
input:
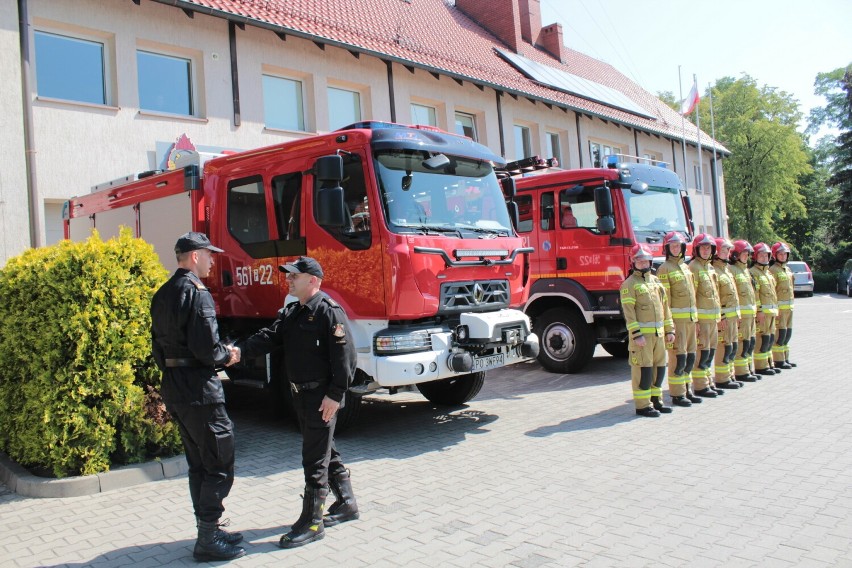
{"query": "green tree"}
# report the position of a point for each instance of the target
(768, 156)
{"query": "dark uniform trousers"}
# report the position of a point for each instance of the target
(320, 458)
(208, 441)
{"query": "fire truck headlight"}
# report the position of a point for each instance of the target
(409, 343)
(433, 366)
(418, 368)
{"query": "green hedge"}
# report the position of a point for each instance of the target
(78, 388)
(825, 281)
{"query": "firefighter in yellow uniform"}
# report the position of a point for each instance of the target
(767, 308)
(709, 313)
(784, 292)
(743, 360)
(649, 328)
(676, 279)
(730, 304)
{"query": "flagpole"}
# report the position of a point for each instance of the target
(700, 183)
(716, 201)
(683, 130)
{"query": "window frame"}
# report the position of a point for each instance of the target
(473, 128)
(302, 127)
(525, 139)
(605, 149)
(193, 82)
(431, 111)
(332, 125)
(107, 44)
(554, 145)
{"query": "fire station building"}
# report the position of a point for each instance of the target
(95, 90)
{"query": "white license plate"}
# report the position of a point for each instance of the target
(482, 363)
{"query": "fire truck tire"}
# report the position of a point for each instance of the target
(453, 391)
(618, 349)
(566, 344)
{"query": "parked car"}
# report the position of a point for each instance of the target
(844, 279)
(803, 279)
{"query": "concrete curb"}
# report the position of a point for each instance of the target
(22, 482)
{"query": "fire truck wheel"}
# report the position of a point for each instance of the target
(453, 391)
(566, 344)
(618, 349)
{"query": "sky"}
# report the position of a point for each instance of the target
(780, 43)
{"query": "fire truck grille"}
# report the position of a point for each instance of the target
(474, 296)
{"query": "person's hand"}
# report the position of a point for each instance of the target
(670, 337)
(759, 318)
(328, 408)
(235, 355)
(723, 325)
(640, 341)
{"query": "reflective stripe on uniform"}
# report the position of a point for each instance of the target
(642, 394)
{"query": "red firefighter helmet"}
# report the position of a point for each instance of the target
(640, 252)
(741, 246)
(722, 242)
(674, 237)
(703, 239)
(759, 248)
(779, 247)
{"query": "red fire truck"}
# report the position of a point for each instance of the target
(410, 224)
(582, 224)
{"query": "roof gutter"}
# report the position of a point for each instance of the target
(187, 6)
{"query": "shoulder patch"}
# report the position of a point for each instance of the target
(338, 330)
(199, 285)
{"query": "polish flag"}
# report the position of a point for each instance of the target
(691, 101)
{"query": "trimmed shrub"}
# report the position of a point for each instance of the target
(825, 281)
(78, 387)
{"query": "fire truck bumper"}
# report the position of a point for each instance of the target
(506, 334)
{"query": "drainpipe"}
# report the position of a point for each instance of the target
(391, 96)
(29, 143)
(499, 94)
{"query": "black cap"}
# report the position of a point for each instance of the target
(194, 241)
(305, 265)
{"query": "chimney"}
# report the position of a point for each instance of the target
(500, 17)
(551, 41)
(530, 11)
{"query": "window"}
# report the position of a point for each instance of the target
(651, 158)
(547, 212)
(356, 234)
(699, 182)
(466, 125)
(70, 68)
(523, 145)
(282, 103)
(165, 83)
(577, 209)
(525, 213)
(599, 152)
(421, 114)
(344, 107)
(247, 211)
(553, 148)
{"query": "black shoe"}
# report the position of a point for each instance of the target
(681, 401)
(777, 370)
(210, 546)
(694, 399)
(728, 385)
(344, 508)
(309, 527)
(706, 393)
(746, 378)
(785, 365)
(649, 412)
(791, 364)
(766, 372)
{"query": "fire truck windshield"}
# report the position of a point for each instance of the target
(440, 194)
(657, 211)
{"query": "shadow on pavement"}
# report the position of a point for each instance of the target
(602, 419)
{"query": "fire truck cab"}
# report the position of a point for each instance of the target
(582, 224)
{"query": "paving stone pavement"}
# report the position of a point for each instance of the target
(539, 470)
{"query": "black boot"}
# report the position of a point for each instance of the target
(344, 508)
(211, 546)
(706, 393)
(229, 537)
(649, 411)
(690, 395)
(659, 406)
(309, 527)
(745, 378)
(728, 385)
(681, 401)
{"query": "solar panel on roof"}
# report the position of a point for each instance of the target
(572, 84)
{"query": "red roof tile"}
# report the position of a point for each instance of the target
(433, 34)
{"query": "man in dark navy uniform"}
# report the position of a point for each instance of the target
(319, 362)
(186, 346)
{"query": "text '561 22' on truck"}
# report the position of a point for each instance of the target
(582, 224)
(410, 225)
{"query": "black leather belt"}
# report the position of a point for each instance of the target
(184, 363)
(302, 387)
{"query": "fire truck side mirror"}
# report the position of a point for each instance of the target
(514, 214)
(331, 208)
(329, 168)
(606, 225)
(603, 201)
(509, 187)
(191, 178)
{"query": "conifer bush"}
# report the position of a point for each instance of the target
(78, 387)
